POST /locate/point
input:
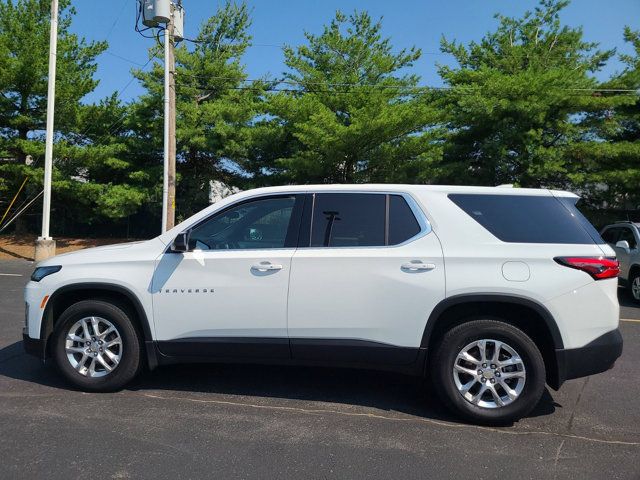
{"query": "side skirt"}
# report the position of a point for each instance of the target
(345, 353)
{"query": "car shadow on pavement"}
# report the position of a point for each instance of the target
(364, 388)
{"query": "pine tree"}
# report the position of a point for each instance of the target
(516, 101)
(350, 112)
(24, 54)
(606, 165)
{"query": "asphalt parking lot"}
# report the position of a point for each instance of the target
(248, 422)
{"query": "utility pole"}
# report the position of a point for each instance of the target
(171, 14)
(169, 180)
(45, 245)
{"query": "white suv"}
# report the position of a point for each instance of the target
(491, 291)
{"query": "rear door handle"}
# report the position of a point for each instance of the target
(266, 267)
(418, 266)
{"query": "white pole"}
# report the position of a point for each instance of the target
(165, 178)
(51, 99)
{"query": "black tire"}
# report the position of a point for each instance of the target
(130, 362)
(454, 341)
(632, 278)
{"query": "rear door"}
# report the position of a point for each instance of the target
(364, 280)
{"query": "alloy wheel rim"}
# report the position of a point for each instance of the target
(635, 288)
(93, 346)
(489, 373)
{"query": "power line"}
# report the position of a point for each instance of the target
(406, 88)
(120, 92)
(133, 62)
(113, 25)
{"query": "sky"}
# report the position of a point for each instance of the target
(408, 23)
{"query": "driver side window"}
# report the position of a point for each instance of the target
(256, 224)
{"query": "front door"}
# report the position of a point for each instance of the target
(363, 288)
(227, 297)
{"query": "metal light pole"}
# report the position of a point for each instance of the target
(165, 176)
(45, 245)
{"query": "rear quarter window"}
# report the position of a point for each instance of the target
(528, 218)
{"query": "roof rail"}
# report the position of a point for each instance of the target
(623, 221)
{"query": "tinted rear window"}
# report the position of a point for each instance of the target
(348, 220)
(571, 204)
(528, 219)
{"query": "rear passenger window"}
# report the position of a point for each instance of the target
(527, 218)
(402, 222)
(348, 220)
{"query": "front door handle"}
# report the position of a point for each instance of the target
(418, 266)
(266, 267)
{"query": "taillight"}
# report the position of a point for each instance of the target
(598, 267)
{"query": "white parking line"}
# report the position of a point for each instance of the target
(630, 320)
(10, 275)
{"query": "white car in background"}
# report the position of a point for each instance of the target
(493, 291)
(624, 237)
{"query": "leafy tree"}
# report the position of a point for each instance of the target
(516, 101)
(101, 168)
(24, 53)
(351, 112)
(215, 108)
(606, 165)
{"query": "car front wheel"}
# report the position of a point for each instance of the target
(488, 371)
(96, 346)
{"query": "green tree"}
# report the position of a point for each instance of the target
(24, 49)
(215, 108)
(516, 101)
(101, 167)
(351, 113)
(607, 163)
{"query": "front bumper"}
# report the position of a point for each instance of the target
(595, 357)
(33, 346)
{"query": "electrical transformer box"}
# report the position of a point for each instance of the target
(155, 12)
(178, 22)
(148, 12)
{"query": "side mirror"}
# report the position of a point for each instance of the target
(623, 244)
(181, 242)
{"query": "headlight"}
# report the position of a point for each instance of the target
(41, 272)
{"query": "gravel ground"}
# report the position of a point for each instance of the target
(20, 247)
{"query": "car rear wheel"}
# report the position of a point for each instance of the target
(488, 371)
(96, 346)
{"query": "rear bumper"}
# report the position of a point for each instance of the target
(33, 346)
(595, 357)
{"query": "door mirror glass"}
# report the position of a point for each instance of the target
(181, 243)
(623, 244)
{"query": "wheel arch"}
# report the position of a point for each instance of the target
(68, 295)
(530, 316)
